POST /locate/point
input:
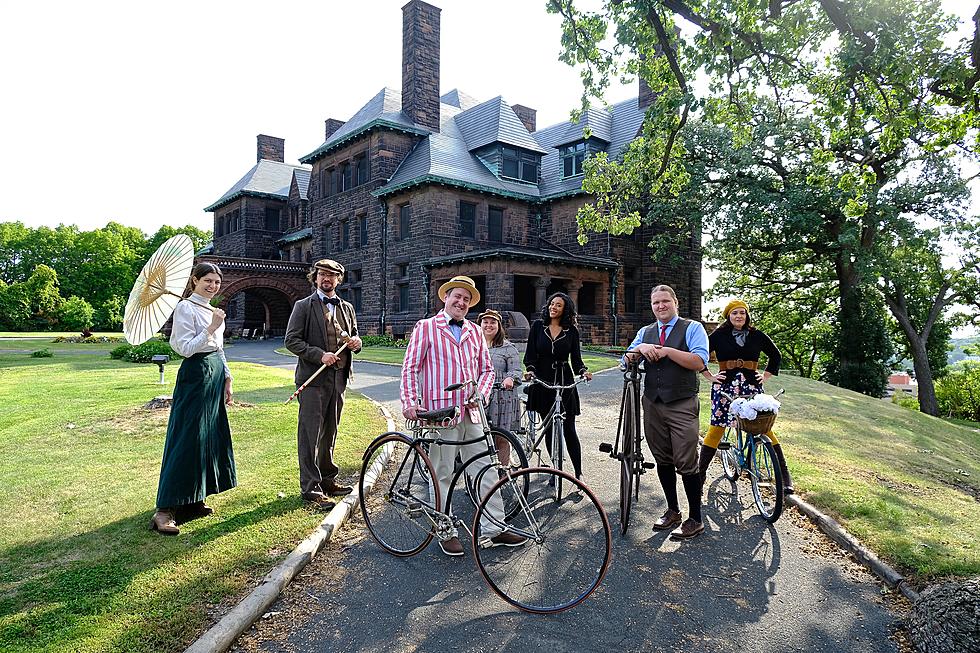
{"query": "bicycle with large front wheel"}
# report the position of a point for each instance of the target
(746, 447)
(553, 424)
(628, 448)
(568, 545)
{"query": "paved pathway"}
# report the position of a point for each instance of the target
(743, 586)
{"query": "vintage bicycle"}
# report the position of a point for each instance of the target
(533, 430)
(628, 448)
(745, 447)
(568, 546)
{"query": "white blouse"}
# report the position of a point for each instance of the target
(190, 333)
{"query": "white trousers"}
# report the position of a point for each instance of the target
(443, 459)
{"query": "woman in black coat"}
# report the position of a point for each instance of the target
(553, 353)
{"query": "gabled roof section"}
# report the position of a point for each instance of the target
(443, 158)
(459, 99)
(624, 122)
(302, 178)
(598, 120)
(266, 179)
(495, 122)
(383, 110)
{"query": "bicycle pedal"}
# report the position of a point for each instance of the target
(724, 446)
(649, 465)
(605, 447)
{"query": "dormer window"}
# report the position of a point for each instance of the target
(572, 159)
(516, 164)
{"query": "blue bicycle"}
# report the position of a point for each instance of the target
(746, 447)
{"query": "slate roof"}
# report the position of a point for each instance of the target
(624, 121)
(302, 182)
(306, 232)
(523, 254)
(459, 99)
(265, 179)
(495, 122)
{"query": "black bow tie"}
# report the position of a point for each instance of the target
(332, 300)
(458, 323)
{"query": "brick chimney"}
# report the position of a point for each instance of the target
(270, 148)
(527, 115)
(332, 125)
(420, 63)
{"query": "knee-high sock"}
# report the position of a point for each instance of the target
(692, 488)
(668, 479)
(713, 436)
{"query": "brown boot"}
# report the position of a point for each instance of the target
(705, 457)
(787, 479)
(163, 522)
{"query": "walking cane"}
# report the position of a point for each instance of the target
(346, 337)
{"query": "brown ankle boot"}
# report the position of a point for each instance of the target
(163, 522)
(704, 460)
(784, 470)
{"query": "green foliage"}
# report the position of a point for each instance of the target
(958, 394)
(383, 340)
(75, 313)
(42, 353)
(89, 340)
(905, 401)
(860, 347)
(109, 315)
(145, 352)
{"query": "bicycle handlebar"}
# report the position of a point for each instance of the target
(535, 380)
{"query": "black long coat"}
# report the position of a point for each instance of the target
(549, 360)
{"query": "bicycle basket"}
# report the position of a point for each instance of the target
(761, 424)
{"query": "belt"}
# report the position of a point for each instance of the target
(738, 364)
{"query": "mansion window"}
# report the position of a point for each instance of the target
(360, 170)
(271, 219)
(404, 221)
(572, 159)
(344, 235)
(519, 165)
(362, 229)
(467, 220)
(404, 298)
(495, 225)
(347, 179)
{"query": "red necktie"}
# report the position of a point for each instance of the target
(663, 333)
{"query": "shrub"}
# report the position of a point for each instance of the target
(906, 401)
(42, 353)
(384, 340)
(144, 353)
(90, 340)
(120, 351)
(75, 313)
(958, 394)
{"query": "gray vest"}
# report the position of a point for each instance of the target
(665, 379)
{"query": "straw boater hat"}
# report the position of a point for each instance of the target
(732, 305)
(490, 313)
(460, 282)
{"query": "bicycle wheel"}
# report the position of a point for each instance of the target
(767, 480)
(568, 550)
(518, 460)
(729, 456)
(629, 463)
(398, 512)
(527, 428)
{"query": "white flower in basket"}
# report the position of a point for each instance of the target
(750, 408)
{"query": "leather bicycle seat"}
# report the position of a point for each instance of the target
(438, 415)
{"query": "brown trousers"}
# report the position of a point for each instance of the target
(671, 431)
(320, 407)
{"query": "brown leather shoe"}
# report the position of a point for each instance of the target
(163, 523)
(332, 489)
(668, 520)
(318, 501)
(452, 547)
(688, 530)
(508, 539)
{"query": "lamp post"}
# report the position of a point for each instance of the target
(161, 360)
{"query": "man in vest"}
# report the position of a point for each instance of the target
(316, 330)
(674, 351)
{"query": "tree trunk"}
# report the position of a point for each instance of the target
(923, 375)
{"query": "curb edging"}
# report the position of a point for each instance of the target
(223, 634)
(851, 544)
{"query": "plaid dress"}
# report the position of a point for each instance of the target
(504, 410)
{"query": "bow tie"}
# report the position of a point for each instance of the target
(332, 300)
(458, 323)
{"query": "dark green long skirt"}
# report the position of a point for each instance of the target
(197, 457)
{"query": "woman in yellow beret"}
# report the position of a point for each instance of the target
(737, 346)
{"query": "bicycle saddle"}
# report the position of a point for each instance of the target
(438, 415)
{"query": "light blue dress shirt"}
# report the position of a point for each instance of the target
(696, 338)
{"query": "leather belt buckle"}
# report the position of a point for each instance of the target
(739, 363)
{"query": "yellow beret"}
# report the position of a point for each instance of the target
(732, 305)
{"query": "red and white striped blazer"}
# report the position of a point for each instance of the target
(435, 360)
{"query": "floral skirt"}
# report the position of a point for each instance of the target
(737, 386)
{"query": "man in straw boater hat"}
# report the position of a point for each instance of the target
(318, 326)
(443, 350)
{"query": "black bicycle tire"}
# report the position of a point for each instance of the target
(603, 567)
(729, 457)
(367, 462)
(515, 446)
(777, 479)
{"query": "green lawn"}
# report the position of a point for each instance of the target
(904, 483)
(79, 460)
(54, 334)
(33, 344)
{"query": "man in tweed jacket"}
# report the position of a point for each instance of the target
(314, 333)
